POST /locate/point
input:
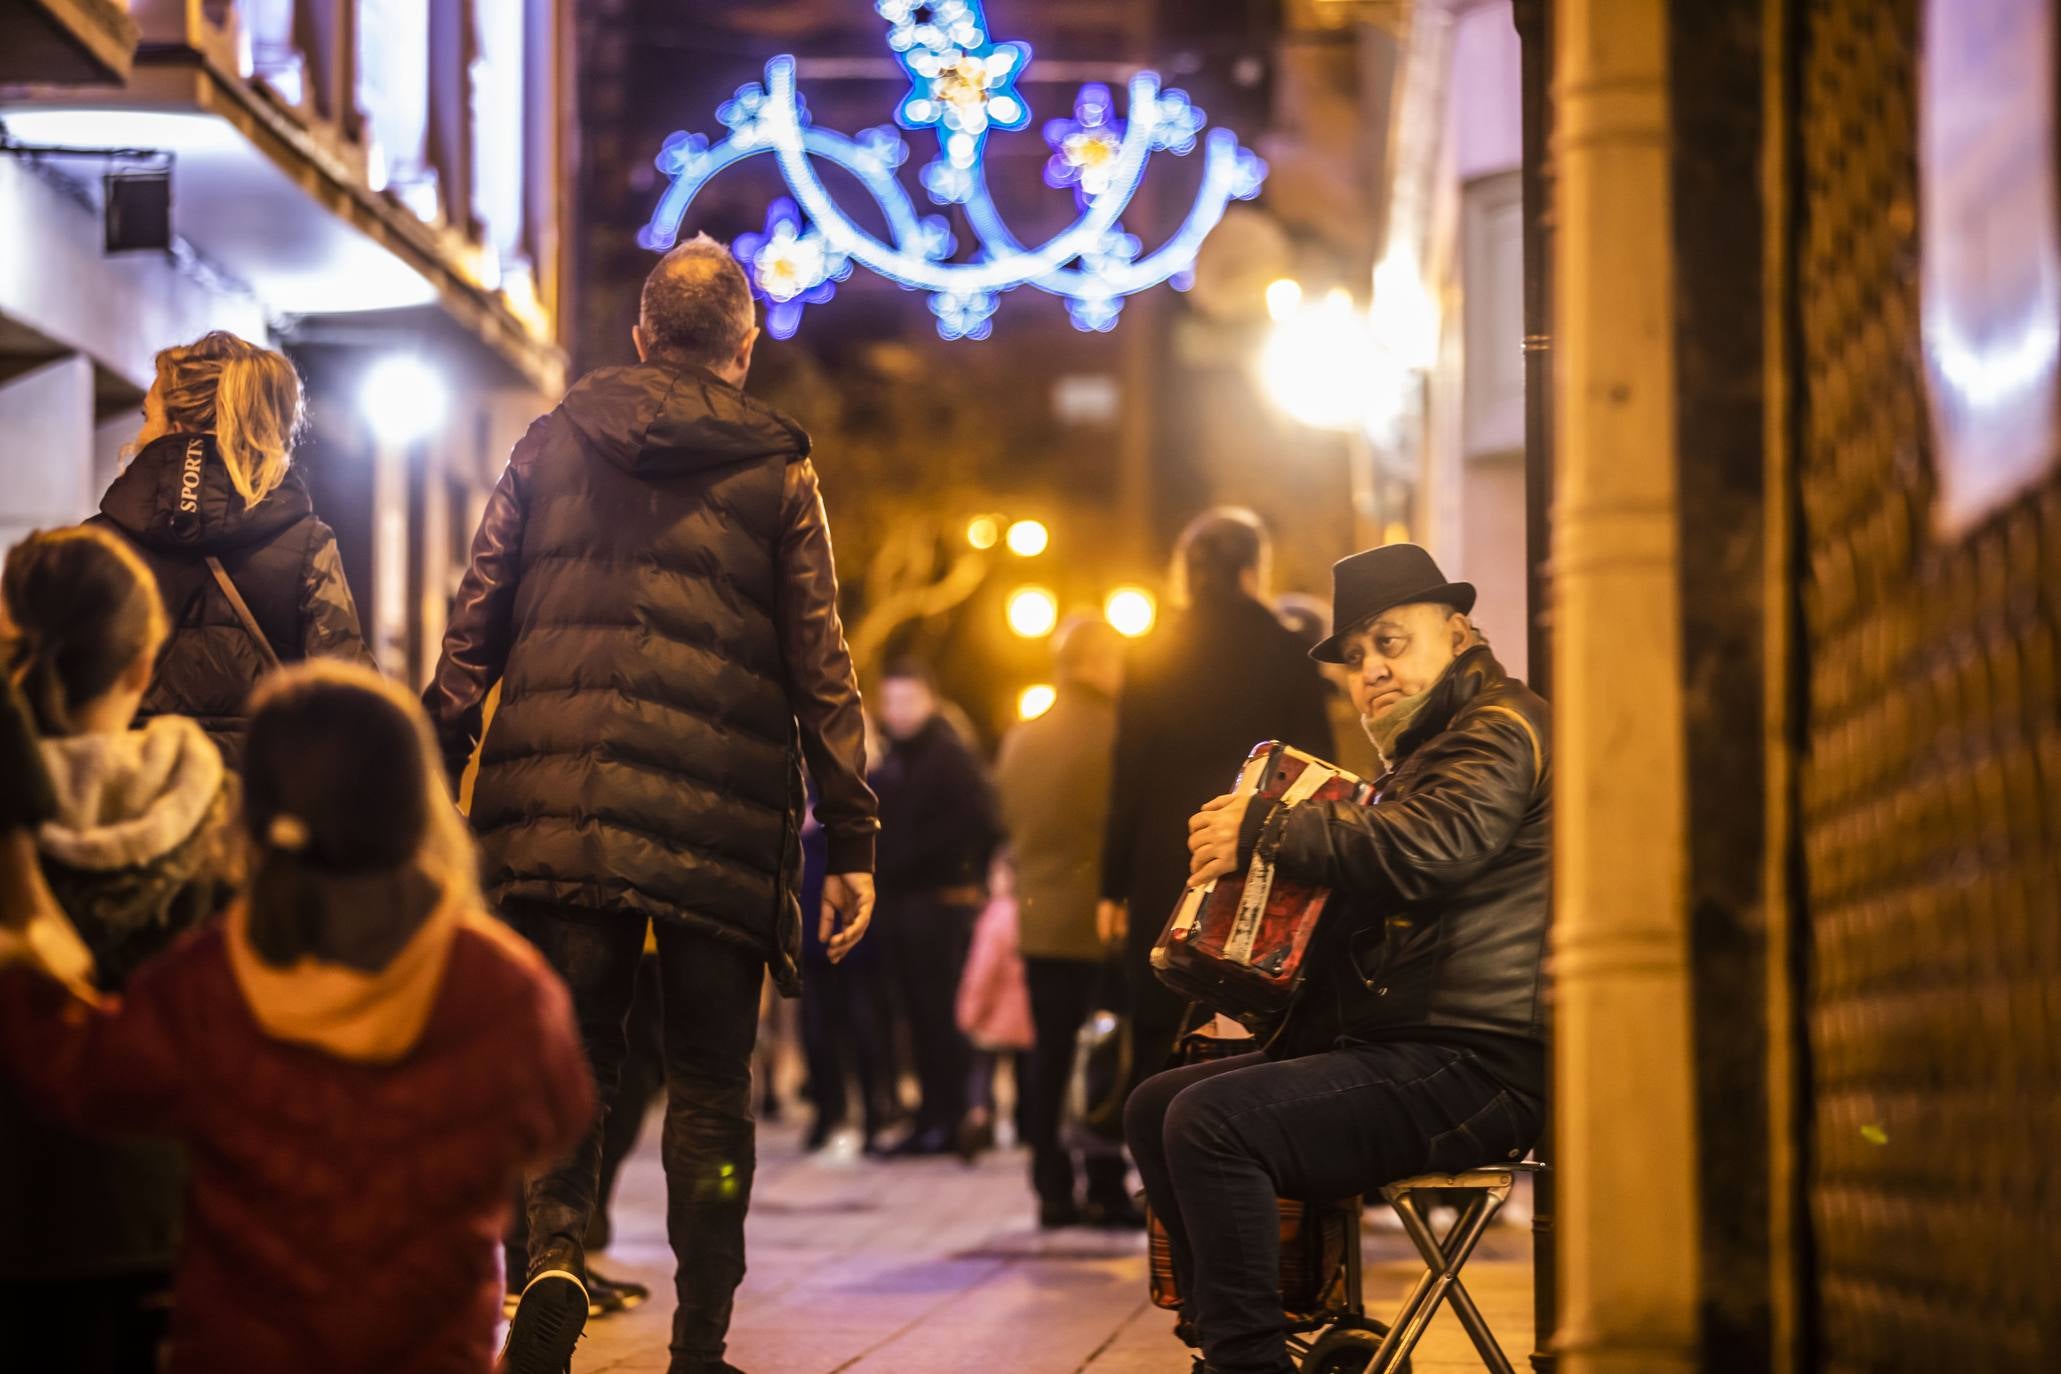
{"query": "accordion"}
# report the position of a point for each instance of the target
(1237, 945)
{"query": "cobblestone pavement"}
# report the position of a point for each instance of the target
(931, 1266)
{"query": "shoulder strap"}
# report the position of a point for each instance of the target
(242, 609)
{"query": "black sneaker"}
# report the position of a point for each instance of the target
(547, 1324)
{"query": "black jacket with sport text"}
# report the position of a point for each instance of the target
(176, 506)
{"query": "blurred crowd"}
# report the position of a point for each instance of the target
(1007, 885)
(289, 1050)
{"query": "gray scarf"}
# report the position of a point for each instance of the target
(1385, 730)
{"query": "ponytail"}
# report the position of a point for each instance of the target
(354, 834)
(82, 609)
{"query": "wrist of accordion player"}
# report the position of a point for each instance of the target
(1259, 836)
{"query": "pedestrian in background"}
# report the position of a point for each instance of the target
(250, 577)
(1222, 675)
(644, 766)
(993, 1011)
(1053, 783)
(840, 1021)
(359, 1057)
(938, 833)
(137, 851)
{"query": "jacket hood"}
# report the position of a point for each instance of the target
(661, 420)
(129, 799)
(365, 1017)
(176, 498)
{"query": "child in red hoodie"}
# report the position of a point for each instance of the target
(359, 1059)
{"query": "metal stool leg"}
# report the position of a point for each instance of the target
(1441, 1275)
(1448, 1260)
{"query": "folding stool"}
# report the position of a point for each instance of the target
(1366, 1347)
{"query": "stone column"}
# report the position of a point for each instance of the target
(1625, 1143)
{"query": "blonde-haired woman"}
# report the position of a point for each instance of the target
(250, 576)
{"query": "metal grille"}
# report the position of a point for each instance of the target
(1931, 787)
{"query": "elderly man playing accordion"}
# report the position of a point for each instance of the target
(1414, 1043)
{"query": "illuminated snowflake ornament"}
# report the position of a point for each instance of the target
(1086, 147)
(791, 267)
(963, 88)
(968, 316)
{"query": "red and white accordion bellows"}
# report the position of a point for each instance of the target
(1238, 944)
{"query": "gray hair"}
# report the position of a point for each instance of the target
(697, 304)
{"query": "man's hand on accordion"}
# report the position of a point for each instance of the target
(1213, 838)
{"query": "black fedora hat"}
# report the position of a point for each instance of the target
(1378, 580)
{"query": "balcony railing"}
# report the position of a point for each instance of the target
(444, 112)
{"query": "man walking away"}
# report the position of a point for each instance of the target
(938, 833)
(652, 587)
(1053, 781)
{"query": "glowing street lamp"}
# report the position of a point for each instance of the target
(1359, 373)
(1029, 538)
(1035, 701)
(403, 399)
(984, 532)
(1320, 363)
(1033, 612)
(1131, 611)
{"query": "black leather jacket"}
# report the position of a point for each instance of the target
(1444, 878)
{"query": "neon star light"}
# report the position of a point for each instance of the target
(963, 85)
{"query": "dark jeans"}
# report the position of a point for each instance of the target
(925, 942)
(842, 1039)
(1218, 1143)
(709, 990)
(643, 1079)
(1062, 993)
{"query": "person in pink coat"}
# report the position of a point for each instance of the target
(994, 1005)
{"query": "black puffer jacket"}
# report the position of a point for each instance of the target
(1446, 875)
(176, 506)
(652, 586)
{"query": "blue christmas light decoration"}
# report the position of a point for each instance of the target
(963, 85)
(791, 267)
(1084, 148)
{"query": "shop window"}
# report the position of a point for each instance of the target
(498, 143)
(265, 50)
(393, 95)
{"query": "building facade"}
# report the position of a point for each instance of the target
(1804, 571)
(376, 186)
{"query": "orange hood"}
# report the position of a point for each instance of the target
(368, 1018)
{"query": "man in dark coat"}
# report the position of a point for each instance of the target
(652, 587)
(939, 831)
(1416, 1044)
(1218, 679)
